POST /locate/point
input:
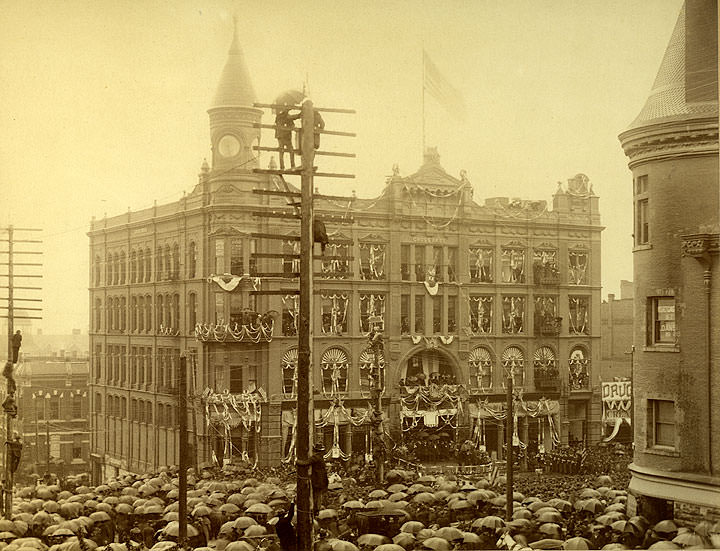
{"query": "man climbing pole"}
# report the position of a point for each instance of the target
(284, 126)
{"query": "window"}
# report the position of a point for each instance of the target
(370, 378)
(372, 261)
(291, 262)
(123, 264)
(405, 262)
(219, 256)
(334, 367)
(192, 260)
(546, 321)
(54, 408)
(661, 423)
(661, 326)
(513, 362)
(141, 315)
(98, 404)
(236, 379)
(98, 270)
(77, 406)
(219, 308)
(642, 231)
(98, 314)
(512, 267)
(236, 309)
(237, 260)
(334, 314)
(97, 362)
(480, 364)
(192, 312)
(420, 314)
(480, 260)
(436, 270)
(481, 314)
(452, 314)
(338, 267)
(545, 268)
(133, 266)
(419, 263)
(579, 318)
(577, 267)
(77, 452)
(289, 372)
(148, 265)
(452, 264)
(513, 314)
(578, 365)
(370, 305)
(437, 305)
(404, 314)
(545, 368)
(133, 314)
(291, 309)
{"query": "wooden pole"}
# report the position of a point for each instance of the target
(8, 485)
(182, 452)
(509, 445)
(305, 407)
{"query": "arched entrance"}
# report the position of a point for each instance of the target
(430, 402)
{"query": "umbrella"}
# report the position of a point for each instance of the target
(405, 540)
(244, 522)
(229, 508)
(449, 533)
(397, 496)
(491, 522)
(7, 536)
(537, 505)
(173, 529)
(499, 501)
(424, 534)
(613, 546)
(341, 545)
(6, 525)
(603, 480)
(389, 547)
(354, 504)
(239, 546)
(522, 513)
(412, 527)
(664, 545)
(170, 516)
(576, 543)
(618, 525)
(620, 507)
(375, 504)
(99, 516)
(290, 97)
(593, 505)
(255, 530)
(588, 493)
(436, 544)
(666, 527)
(519, 524)
(377, 494)
(551, 529)
(423, 497)
(547, 544)
(469, 537)
(605, 520)
(201, 511)
(327, 514)
(479, 495)
(259, 508)
(550, 516)
(393, 488)
(689, 539)
(460, 504)
(372, 540)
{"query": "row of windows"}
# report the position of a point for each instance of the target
(419, 262)
(138, 268)
(138, 368)
(57, 407)
(141, 411)
(138, 318)
(335, 367)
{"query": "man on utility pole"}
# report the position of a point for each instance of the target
(375, 339)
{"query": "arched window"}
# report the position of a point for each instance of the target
(148, 314)
(176, 261)
(98, 314)
(116, 314)
(133, 266)
(334, 367)
(148, 265)
(168, 315)
(98, 270)
(513, 361)
(140, 270)
(159, 310)
(192, 260)
(545, 368)
(108, 269)
(176, 312)
(367, 363)
(133, 314)
(289, 372)
(158, 264)
(480, 365)
(116, 269)
(149, 412)
(141, 315)
(123, 314)
(579, 368)
(168, 263)
(192, 312)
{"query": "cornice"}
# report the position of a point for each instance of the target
(699, 245)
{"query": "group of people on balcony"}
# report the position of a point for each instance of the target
(435, 378)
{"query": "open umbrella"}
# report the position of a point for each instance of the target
(550, 516)
(353, 504)
(436, 544)
(397, 487)
(537, 505)
(588, 493)
(522, 513)
(412, 527)
(389, 547)
(239, 546)
(459, 504)
(613, 546)
(372, 540)
(397, 496)
(663, 544)
(593, 505)
(551, 530)
(491, 522)
(620, 507)
(547, 544)
(290, 97)
(449, 533)
(325, 514)
(377, 494)
(577, 543)
(173, 529)
(405, 540)
(243, 522)
(423, 497)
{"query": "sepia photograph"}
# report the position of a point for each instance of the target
(395, 275)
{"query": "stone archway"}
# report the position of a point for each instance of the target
(429, 365)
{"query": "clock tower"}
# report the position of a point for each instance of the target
(232, 115)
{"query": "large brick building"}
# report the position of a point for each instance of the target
(672, 147)
(466, 290)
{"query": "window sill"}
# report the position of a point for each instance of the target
(674, 348)
(664, 451)
(643, 247)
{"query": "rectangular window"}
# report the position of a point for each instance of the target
(579, 315)
(54, 407)
(452, 314)
(546, 320)
(419, 262)
(236, 257)
(661, 326)
(641, 184)
(437, 303)
(642, 232)
(97, 361)
(252, 262)
(404, 314)
(420, 314)
(334, 314)
(436, 271)
(220, 257)
(481, 314)
(77, 407)
(480, 263)
(452, 264)
(577, 267)
(236, 309)
(513, 314)
(372, 261)
(336, 263)
(513, 265)
(291, 309)
(370, 305)
(545, 268)
(77, 452)
(219, 308)
(661, 423)
(405, 262)
(236, 379)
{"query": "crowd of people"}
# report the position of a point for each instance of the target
(243, 509)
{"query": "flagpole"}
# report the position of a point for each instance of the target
(422, 153)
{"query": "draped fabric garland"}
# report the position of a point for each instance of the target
(261, 330)
(225, 411)
(423, 402)
(228, 282)
(372, 261)
(544, 407)
(291, 304)
(334, 313)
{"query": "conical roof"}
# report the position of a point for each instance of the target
(235, 88)
(686, 84)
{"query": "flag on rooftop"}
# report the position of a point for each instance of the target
(435, 83)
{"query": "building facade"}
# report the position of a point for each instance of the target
(672, 148)
(467, 293)
(53, 407)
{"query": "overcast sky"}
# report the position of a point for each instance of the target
(103, 103)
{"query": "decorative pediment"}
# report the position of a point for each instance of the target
(374, 238)
(481, 243)
(227, 188)
(339, 236)
(227, 231)
(579, 247)
(514, 245)
(545, 246)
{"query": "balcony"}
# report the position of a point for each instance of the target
(579, 379)
(259, 328)
(546, 275)
(548, 327)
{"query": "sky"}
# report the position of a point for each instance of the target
(103, 103)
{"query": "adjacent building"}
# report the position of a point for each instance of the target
(672, 147)
(469, 293)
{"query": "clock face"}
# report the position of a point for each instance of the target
(228, 146)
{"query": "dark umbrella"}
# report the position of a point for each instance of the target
(290, 98)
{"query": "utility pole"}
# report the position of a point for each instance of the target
(10, 401)
(509, 445)
(305, 408)
(182, 452)
(376, 344)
